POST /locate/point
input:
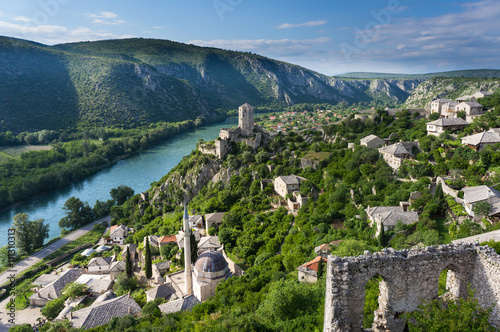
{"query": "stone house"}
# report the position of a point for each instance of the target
(100, 265)
(472, 110)
(164, 291)
(213, 219)
(209, 243)
(45, 279)
(394, 154)
(473, 195)
(186, 303)
(439, 126)
(100, 313)
(436, 105)
(480, 141)
(53, 290)
(323, 250)
(97, 284)
(308, 272)
(134, 255)
(388, 216)
(118, 233)
(296, 201)
(286, 184)
(372, 141)
(116, 268)
(480, 94)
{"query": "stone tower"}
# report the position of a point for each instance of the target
(245, 119)
(188, 275)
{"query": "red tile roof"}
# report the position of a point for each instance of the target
(167, 239)
(313, 265)
(113, 227)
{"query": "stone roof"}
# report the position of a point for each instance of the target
(163, 291)
(246, 105)
(370, 138)
(118, 266)
(324, 246)
(390, 215)
(45, 279)
(132, 248)
(211, 261)
(482, 193)
(54, 289)
(104, 297)
(209, 243)
(448, 122)
(464, 98)
(442, 100)
(472, 103)
(99, 286)
(194, 220)
(118, 231)
(162, 265)
(186, 303)
(395, 149)
(103, 312)
(100, 261)
(311, 267)
(215, 217)
(481, 138)
(290, 179)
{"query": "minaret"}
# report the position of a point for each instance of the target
(187, 254)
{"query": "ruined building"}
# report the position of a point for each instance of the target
(408, 277)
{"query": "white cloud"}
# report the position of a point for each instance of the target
(22, 19)
(106, 15)
(305, 24)
(159, 27)
(128, 36)
(52, 34)
(106, 18)
(264, 46)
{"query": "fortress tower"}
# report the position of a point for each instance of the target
(245, 119)
(188, 275)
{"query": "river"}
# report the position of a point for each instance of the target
(137, 172)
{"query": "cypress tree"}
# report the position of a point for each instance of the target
(194, 249)
(128, 264)
(439, 198)
(148, 266)
(321, 268)
(381, 235)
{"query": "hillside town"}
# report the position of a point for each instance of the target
(177, 271)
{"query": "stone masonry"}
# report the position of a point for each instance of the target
(409, 276)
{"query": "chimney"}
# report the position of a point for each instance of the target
(129, 310)
(71, 314)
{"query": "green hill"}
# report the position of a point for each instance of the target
(133, 82)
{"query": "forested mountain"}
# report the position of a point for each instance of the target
(139, 81)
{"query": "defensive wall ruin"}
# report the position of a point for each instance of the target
(408, 277)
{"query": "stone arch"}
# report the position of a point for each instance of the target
(358, 295)
(382, 298)
(455, 284)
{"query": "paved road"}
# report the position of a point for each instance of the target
(39, 255)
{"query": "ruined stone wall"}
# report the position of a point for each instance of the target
(409, 276)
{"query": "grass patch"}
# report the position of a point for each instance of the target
(16, 151)
(443, 230)
(90, 237)
(319, 156)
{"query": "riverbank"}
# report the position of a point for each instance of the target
(137, 171)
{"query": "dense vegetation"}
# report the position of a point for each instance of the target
(38, 172)
(270, 244)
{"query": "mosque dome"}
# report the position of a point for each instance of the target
(210, 262)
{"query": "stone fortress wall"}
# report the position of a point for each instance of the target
(409, 276)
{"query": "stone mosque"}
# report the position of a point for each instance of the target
(210, 268)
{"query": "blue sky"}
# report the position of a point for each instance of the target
(329, 36)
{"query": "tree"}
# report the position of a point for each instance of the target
(74, 290)
(482, 208)
(21, 328)
(78, 213)
(53, 308)
(148, 266)
(450, 315)
(381, 236)
(321, 268)
(124, 284)
(128, 263)
(29, 234)
(439, 198)
(121, 194)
